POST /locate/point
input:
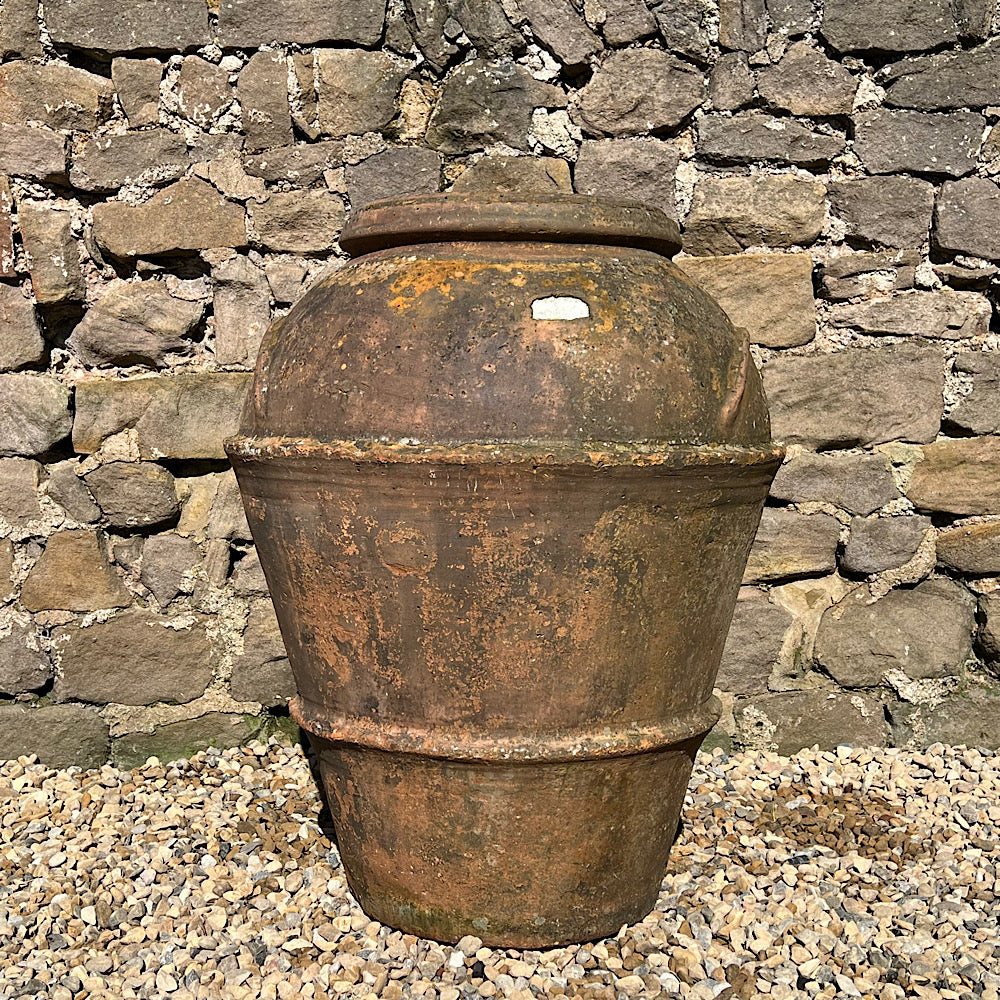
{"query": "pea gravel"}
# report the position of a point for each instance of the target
(861, 873)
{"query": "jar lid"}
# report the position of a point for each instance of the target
(446, 218)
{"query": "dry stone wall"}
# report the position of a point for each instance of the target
(174, 174)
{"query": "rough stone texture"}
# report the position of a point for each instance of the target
(925, 632)
(685, 27)
(626, 21)
(249, 23)
(261, 672)
(37, 154)
(23, 666)
(8, 254)
(966, 78)
(886, 211)
(6, 567)
(60, 735)
(881, 543)
(729, 214)
(168, 561)
(248, 576)
(134, 495)
(791, 17)
(979, 411)
(805, 82)
(300, 165)
(34, 414)
(970, 718)
(19, 35)
(70, 492)
(967, 217)
(960, 476)
(178, 740)
(21, 342)
(227, 518)
(135, 658)
(286, 279)
(203, 90)
(135, 323)
(137, 82)
(52, 251)
(889, 26)
(915, 141)
(857, 396)
(106, 26)
(753, 644)
(850, 275)
(516, 175)
(19, 481)
(395, 173)
(357, 90)
(792, 544)
(242, 310)
(639, 90)
(823, 718)
(989, 633)
(73, 574)
(263, 94)
(749, 138)
(742, 24)
(56, 95)
(105, 163)
(769, 295)
(971, 548)
(174, 416)
(299, 221)
(635, 169)
(558, 27)
(485, 103)
(731, 83)
(859, 484)
(947, 314)
(188, 215)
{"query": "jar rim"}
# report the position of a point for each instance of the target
(446, 218)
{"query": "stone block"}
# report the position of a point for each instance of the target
(558, 27)
(822, 718)
(989, 632)
(37, 154)
(168, 561)
(964, 78)
(959, 476)
(286, 278)
(881, 543)
(511, 175)
(53, 252)
(395, 173)
(19, 482)
(791, 17)
(174, 416)
(23, 665)
(135, 323)
(979, 411)
(248, 577)
(137, 82)
(792, 544)
(250, 23)
(187, 215)
(635, 169)
(729, 214)
(54, 94)
(850, 275)
(107, 26)
(34, 413)
(856, 397)
(731, 82)
(742, 24)
(227, 518)
(967, 217)
(73, 574)
(752, 137)
(626, 21)
(357, 90)
(889, 26)
(303, 222)
(971, 548)
(19, 34)
(263, 93)
(70, 492)
(769, 295)
(261, 672)
(134, 495)
(105, 163)
(945, 314)
(754, 642)
(300, 165)
(888, 211)
(242, 306)
(21, 342)
(635, 91)
(135, 658)
(203, 91)
(859, 484)
(180, 740)
(925, 632)
(970, 718)
(686, 28)
(59, 735)
(888, 141)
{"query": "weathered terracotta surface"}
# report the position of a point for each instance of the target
(504, 552)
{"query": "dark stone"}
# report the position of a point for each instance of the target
(107, 26)
(822, 718)
(486, 103)
(393, 173)
(19, 34)
(753, 644)
(426, 20)
(19, 481)
(769, 295)
(960, 476)
(971, 548)
(516, 175)
(881, 543)
(851, 275)
(73, 574)
(742, 24)
(203, 90)
(749, 138)
(23, 665)
(889, 211)
(135, 658)
(105, 163)
(637, 91)
(558, 27)
(947, 314)
(888, 141)
(859, 484)
(300, 165)
(251, 23)
(53, 253)
(187, 215)
(729, 214)
(889, 26)
(34, 413)
(966, 78)
(979, 411)
(242, 308)
(180, 740)
(59, 735)
(134, 495)
(731, 83)
(684, 27)
(967, 217)
(626, 21)
(856, 396)
(137, 82)
(357, 90)
(60, 96)
(805, 82)
(248, 576)
(167, 563)
(925, 632)
(261, 672)
(791, 17)
(989, 633)
(174, 416)
(21, 340)
(70, 492)
(138, 323)
(304, 222)
(34, 153)
(970, 718)
(635, 169)
(792, 544)
(262, 90)
(974, 18)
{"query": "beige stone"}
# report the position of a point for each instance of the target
(73, 574)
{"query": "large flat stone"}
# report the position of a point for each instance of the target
(396, 173)
(134, 495)
(59, 735)
(137, 82)
(823, 718)
(107, 26)
(742, 24)
(250, 23)
(971, 548)
(57, 95)
(888, 26)
(73, 574)
(858, 484)
(53, 252)
(969, 718)
(35, 413)
(885, 211)
(880, 543)
(979, 411)
(792, 544)
(357, 90)
(261, 672)
(263, 94)
(300, 165)
(174, 416)
(959, 476)
(753, 137)
(945, 314)
(558, 27)
(105, 163)
(23, 665)
(180, 740)
(967, 217)
(915, 141)
(753, 644)
(19, 30)
(19, 482)
(21, 340)
(770, 295)
(635, 169)
(964, 78)
(242, 307)
(37, 154)
(307, 222)
(805, 82)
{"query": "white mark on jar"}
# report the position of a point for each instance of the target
(559, 307)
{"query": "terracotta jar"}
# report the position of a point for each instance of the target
(503, 470)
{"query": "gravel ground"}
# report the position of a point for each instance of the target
(860, 873)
